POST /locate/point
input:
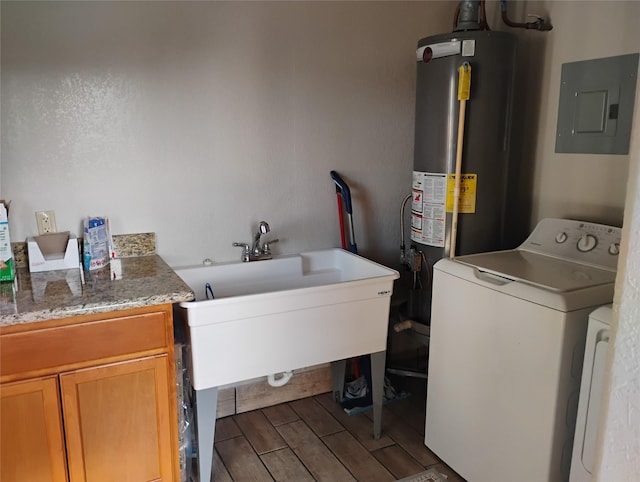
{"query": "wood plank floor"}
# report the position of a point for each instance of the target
(314, 439)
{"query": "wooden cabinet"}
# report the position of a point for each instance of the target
(32, 442)
(90, 399)
(118, 413)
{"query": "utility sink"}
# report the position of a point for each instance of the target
(277, 315)
(285, 313)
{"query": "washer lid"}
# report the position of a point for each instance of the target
(539, 270)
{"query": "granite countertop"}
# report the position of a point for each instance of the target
(145, 281)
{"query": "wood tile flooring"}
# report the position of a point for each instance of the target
(314, 439)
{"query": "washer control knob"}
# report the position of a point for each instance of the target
(561, 237)
(587, 242)
(614, 249)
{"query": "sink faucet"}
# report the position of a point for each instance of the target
(263, 228)
(257, 252)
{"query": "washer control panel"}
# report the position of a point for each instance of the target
(588, 243)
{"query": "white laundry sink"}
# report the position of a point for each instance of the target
(285, 313)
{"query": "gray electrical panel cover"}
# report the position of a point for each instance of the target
(596, 105)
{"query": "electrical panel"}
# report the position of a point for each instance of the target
(596, 105)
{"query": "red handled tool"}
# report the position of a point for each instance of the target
(343, 194)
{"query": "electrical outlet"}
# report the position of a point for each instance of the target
(46, 221)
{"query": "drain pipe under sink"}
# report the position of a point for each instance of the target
(283, 380)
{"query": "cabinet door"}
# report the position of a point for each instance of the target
(117, 421)
(32, 442)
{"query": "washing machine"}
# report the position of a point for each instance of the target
(508, 332)
(593, 373)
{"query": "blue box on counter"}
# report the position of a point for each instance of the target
(98, 246)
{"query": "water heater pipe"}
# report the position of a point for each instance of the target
(402, 246)
(467, 15)
(283, 380)
(542, 24)
(464, 88)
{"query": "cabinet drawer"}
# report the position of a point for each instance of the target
(75, 344)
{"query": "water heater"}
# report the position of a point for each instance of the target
(485, 145)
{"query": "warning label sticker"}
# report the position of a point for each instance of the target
(467, 197)
(428, 208)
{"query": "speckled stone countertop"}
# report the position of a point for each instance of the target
(146, 280)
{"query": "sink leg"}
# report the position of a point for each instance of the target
(206, 408)
(377, 390)
(337, 377)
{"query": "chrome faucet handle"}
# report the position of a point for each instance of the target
(246, 251)
(266, 248)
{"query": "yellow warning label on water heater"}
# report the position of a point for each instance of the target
(467, 198)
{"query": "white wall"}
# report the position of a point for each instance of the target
(580, 186)
(545, 184)
(196, 120)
